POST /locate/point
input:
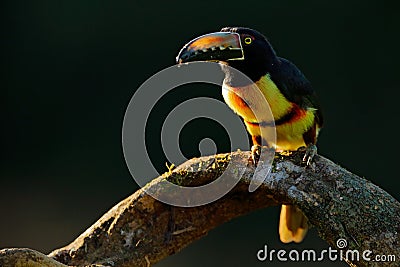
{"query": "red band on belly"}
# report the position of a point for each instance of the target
(295, 113)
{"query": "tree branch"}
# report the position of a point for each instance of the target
(140, 231)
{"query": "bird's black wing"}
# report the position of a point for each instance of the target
(295, 87)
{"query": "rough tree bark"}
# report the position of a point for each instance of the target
(140, 231)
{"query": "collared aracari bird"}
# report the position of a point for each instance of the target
(292, 100)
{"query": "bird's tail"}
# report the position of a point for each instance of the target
(293, 224)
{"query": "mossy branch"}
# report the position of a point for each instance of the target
(140, 231)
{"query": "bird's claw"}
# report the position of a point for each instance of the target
(310, 152)
(255, 154)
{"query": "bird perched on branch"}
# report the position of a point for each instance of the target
(292, 100)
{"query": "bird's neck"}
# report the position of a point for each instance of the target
(255, 67)
(239, 73)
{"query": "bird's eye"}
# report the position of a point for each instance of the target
(247, 40)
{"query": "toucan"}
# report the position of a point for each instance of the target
(293, 102)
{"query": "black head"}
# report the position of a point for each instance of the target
(259, 56)
(241, 48)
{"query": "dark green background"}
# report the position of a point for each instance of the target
(69, 69)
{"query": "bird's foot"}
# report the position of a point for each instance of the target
(310, 152)
(255, 154)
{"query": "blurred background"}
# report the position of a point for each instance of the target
(69, 69)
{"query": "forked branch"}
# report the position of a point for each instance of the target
(140, 231)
